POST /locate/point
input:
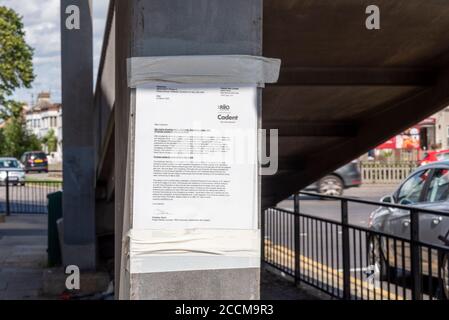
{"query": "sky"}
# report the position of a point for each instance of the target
(42, 27)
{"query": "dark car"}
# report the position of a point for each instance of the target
(35, 161)
(334, 183)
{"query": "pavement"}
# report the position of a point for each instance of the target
(276, 286)
(23, 244)
(23, 256)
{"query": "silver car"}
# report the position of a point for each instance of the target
(12, 169)
(427, 187)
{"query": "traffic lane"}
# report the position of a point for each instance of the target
(358, 213)
(321, 241)
(31, 198)
(31, 191)
(280, 226)
(329, 275)
(321, 255)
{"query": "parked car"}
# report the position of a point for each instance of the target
(434, 156)
(13, 169)
(35, 161)
(427, 187)
(334, 183)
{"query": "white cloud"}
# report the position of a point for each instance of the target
(42, 21)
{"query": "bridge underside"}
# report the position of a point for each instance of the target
(345, 89)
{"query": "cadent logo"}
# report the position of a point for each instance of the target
(224, 113)
(227, 117)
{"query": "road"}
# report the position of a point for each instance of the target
(321, 255)
(329, 209)
(31, 198)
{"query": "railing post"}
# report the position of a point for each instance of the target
(345, 251)
(8, 208)
(415, 255)
(297, 240)
(262, 235)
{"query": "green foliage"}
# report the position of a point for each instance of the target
(387, 153)
(50, 141)
(16, 71)
(17, 139)
(16, 59)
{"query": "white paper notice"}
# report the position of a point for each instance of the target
(195, 157)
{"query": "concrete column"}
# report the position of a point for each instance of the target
(78, 150)
(168, 28)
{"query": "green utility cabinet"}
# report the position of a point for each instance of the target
(54, 213)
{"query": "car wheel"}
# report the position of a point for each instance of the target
(445, 275)
(331, 186)
(376, 259)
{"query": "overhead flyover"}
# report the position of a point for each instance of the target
(343, 88)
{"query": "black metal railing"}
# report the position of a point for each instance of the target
(350, 261)
(29, 196)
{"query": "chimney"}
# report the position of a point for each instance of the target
(43, 96)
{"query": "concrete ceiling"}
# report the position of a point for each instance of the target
(338, 79)
(323, 33)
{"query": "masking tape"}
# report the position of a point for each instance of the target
(153, 251)
(235, 69)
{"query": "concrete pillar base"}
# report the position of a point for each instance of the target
(90, 282)
(82, 256)
(228, 284)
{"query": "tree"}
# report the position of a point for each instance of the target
(50, 141)
(16, 60)
(16, 71)
(17, 139)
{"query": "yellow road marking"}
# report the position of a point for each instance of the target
(367, 290)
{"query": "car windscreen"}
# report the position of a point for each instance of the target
(438, 189)
(40, 155)
(5, 164)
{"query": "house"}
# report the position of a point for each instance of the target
(44, 116)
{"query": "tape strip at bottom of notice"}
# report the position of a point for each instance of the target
(152, 251)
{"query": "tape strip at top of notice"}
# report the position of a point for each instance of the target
(233, 69)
